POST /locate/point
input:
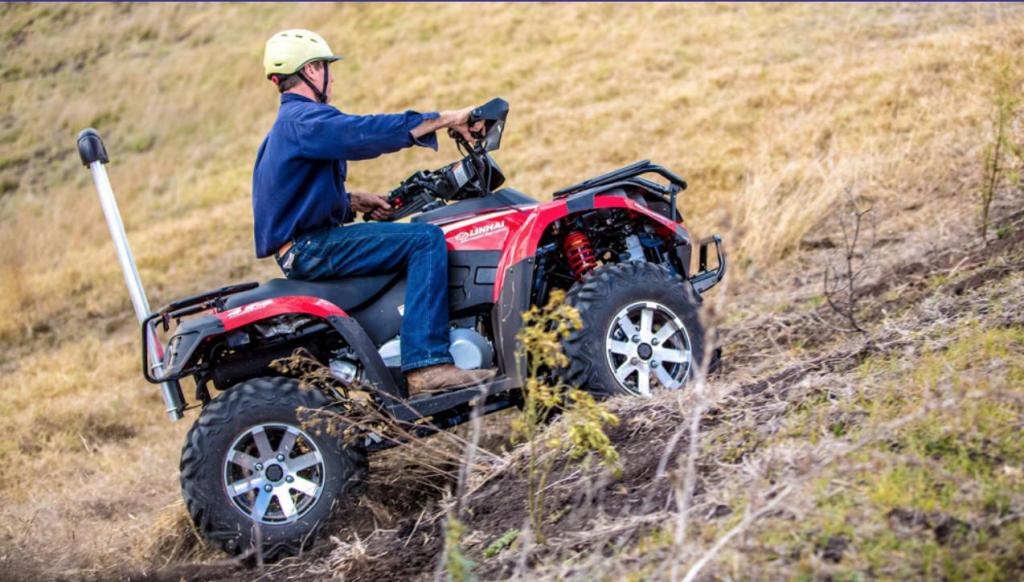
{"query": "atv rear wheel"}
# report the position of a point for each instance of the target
(641, 331)
(257, 482)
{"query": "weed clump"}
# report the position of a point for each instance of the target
(540, 345)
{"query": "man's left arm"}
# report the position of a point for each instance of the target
(335, 135)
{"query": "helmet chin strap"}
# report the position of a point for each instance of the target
(321, 93)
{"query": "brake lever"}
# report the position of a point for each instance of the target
(478, 135)
(459, 139)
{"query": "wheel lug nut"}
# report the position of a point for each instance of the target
(258, 467)
(280, 457)
(636, 339)
(654, 342)
(289, 479)
(268, 488)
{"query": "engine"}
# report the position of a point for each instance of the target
(468, 347)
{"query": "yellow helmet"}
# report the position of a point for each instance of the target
(290, 50)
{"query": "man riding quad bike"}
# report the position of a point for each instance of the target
(388, 298)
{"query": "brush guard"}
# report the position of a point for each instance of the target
(94, 155)
(705, 278)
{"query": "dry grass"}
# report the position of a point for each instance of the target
(771, 112)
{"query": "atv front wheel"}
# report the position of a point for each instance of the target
(256, 481)
(641, 331)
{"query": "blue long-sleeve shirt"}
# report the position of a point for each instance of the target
(298, 183)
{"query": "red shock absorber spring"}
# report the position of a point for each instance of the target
(580, 254)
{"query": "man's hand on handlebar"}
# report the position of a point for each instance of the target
(462, 127)
(455, 121)
(372, 206)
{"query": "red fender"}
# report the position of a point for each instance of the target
(252, 312)
(523, 242)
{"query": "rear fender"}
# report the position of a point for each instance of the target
(522, 244)
(184, 347)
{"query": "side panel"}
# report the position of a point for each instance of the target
(382, 318)
(487, 232)
(507, 318)
(471, 276)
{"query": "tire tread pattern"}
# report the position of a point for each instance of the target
(619, 283)
(204, 500)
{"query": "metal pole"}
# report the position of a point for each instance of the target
(124, 252)
(95, 158)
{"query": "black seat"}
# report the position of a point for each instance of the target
(504, 198)
(348, 294)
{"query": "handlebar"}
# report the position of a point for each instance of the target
(475, 175)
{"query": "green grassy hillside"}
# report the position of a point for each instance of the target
(773, 113)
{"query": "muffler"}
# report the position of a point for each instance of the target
(94, 156)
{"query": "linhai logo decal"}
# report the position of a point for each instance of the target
(481, 231)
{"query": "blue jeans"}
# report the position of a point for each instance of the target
(378, 248)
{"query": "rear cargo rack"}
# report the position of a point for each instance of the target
(209, 296)
(177, 309)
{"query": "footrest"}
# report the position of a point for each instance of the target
(426, 405)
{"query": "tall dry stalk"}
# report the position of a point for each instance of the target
(704, 396)
(1006, 102)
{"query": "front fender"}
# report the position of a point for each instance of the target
(523, 243)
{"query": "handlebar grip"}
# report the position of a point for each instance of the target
(475, 117)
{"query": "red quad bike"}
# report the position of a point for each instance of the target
(255, 478)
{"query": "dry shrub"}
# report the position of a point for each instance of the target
(172, 539)
(582, 434)
(355, 417)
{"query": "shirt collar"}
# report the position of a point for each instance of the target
(289, 97)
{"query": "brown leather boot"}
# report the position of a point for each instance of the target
(444, 377)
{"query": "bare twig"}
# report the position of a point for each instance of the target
(748, 519)
(842, 284)
(472, 446)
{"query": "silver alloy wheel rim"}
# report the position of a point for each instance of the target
(274, 473)
(646, 347)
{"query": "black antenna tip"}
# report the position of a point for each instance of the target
(91, 148)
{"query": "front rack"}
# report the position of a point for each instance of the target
(633, 170)
(631, 175)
